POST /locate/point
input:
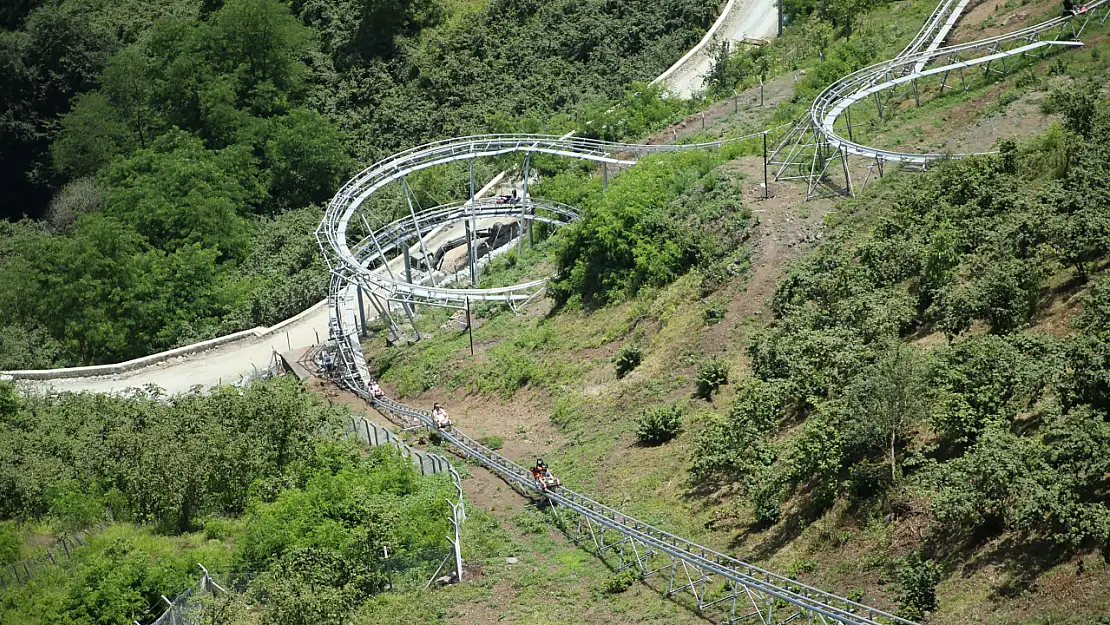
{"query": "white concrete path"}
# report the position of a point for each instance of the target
(757, 19)
(228, 363)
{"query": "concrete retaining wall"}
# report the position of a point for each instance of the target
(702, 45)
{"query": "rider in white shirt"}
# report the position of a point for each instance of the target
(439, 415)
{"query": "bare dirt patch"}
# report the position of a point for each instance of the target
(995, 17)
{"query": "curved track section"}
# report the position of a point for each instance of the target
(908, 69)
(824, 138)
(353, 260)
(378, 246)
(720, 585)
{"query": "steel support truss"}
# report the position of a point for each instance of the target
(359, 260)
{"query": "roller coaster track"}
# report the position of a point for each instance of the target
(730, 587)
(713, 579)
(817, 143)
(720, 585)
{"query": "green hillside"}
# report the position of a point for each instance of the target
(901, 397)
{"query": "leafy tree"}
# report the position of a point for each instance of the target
(260, 43)
(885, 405)
(177, 193)
(128, 84)
(302, 157)
(91, 136)
(360, 30)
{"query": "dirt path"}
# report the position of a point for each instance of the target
(743, 110)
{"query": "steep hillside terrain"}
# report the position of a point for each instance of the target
(914, 400)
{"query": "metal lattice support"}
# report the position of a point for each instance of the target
(366, 261)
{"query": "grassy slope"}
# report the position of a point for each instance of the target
(581, 417)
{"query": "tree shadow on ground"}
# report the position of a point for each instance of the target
(1021, 558)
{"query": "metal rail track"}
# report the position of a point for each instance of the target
(360, 260)
(719, 584)
(714, 580)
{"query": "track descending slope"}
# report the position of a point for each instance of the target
(718, 583)
(713, 579)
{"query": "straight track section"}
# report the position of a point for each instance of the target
(719, 584)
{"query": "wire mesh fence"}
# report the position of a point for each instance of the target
(22, 571)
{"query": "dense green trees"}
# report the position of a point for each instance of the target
(117, 579)
(657, 221)
(163, 460)
(254, 483)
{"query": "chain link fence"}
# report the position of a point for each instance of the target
(22, 571)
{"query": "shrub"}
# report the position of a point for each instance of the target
(738, 446)
(492, 441)
(766, 498)
(628, 358)
(715, 310)
(917, 587)
(531, 521)
(9, 543)
(659, 424)
(711, 375)
(620, 582)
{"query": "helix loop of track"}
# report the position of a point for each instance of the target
(714, 580)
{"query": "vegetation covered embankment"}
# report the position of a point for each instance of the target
(919, 419)
(257, 485)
